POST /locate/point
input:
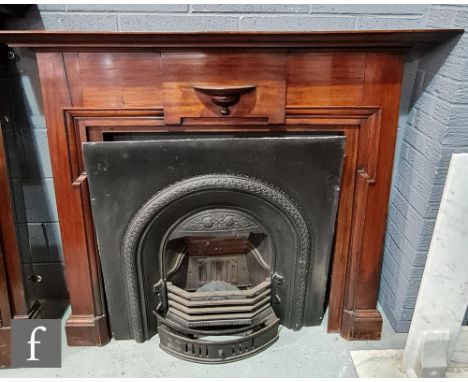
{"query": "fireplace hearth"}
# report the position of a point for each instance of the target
(219, 238)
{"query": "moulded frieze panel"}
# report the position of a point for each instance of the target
(114, 79)
(187, 74)
(325, 78)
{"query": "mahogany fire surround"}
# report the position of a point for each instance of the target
(94, 84)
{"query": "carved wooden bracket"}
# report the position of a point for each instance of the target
(225, 97)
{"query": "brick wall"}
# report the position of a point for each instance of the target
(436, 128)
(431, 126)
(32, 183)
(217, 17)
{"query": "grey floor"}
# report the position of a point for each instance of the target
(310, 352)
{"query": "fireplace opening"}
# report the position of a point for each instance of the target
(217, 277)
(213, 246)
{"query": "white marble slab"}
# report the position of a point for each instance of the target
(443, 294)
(387, 363)
(436, 339)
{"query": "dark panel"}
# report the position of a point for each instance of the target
(123, 175)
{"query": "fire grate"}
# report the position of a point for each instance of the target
(225, 304)
(195, 348)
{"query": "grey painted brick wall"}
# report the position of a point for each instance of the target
(436, 128)
(432, 124)
(32, 184)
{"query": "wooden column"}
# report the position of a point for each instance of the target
(87, 324)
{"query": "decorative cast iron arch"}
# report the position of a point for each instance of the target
(213, 182)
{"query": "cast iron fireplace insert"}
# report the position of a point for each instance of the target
(214, 241)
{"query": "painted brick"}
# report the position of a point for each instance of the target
(400, 258)
(416, 138)
(399, 307)
(400, 201)
(51, 7)
(12, 152)
(402, 326)
(295, 23)
(461, 19)
(397, 325)
(383, 9)
(440, 60)
(423, 101)
(406, 289)
(416, 229)
(458, 115)
(460, 50)
(405, 314)
(36, 121)
(35, 200)
(418, 160)
(440, 17)
(461, 93)
(23, 243)
(422, 205)
(28, 154)
(456, 138)
(388, 303)
(368, 23)
(387, 294)
(423, 122)
(170, 23)
(250, 8)
(423, 184)
(144, 8)
(454, 68)
(43, 242)
(415, 255)
(391, 299)
(79, 22)
(394, 304)
(443, 87)
(422, 164)
(26, 98)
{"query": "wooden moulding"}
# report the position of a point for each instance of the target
(94, 84)
(226, 40)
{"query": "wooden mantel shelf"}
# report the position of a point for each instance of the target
(145, 40)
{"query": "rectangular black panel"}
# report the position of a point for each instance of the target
(124, 174)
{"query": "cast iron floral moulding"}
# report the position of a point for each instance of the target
(130, 258)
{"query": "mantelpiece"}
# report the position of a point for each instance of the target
(95, 85)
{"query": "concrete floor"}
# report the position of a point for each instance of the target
(310, 352)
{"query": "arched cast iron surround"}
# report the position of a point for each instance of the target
(212, 182)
